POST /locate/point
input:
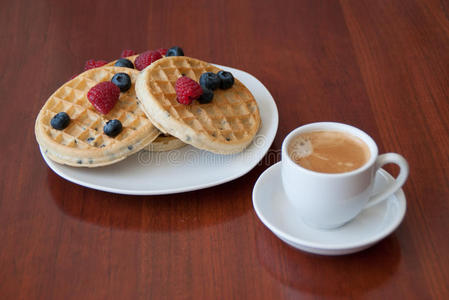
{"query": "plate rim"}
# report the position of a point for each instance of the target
(399, 195)
(274, 117)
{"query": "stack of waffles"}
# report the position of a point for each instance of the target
(150, 114)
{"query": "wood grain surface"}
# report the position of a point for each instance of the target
(382, 66)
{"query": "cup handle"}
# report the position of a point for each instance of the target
(384, 159)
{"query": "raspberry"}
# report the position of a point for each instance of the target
(187, 90)
(103, 96)
(162, 51)
(127, 52)
(146, 58)
(92, 63)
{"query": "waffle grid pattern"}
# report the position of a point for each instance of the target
(161, 143)
(86, 127)
(83, 142)
(230, 117)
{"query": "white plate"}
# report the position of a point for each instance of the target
(185, 169)
(369, 227)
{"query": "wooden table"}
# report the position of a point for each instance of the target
(382, 66)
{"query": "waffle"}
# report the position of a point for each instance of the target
(165, 143)
(226, 125)
(83, 143)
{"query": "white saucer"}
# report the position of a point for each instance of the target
(368, 228)
(184, 169)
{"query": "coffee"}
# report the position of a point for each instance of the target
(328, 151)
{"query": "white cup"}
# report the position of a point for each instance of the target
(325, 200)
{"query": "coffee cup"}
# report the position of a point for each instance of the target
(328, 172)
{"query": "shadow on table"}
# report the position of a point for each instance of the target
(183, 211)
(349, 275)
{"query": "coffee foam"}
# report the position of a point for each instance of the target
(300, 147)
(328, 151)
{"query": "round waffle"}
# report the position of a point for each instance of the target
(226, 125)
(83, 143)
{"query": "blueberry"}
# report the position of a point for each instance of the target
(207, 96)
(60, 121)
(122, 80)
(210, 80)
(227, 80)
(123, 62)
(112, 128)
(175, 51)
